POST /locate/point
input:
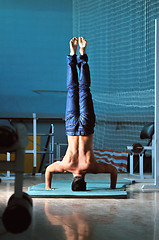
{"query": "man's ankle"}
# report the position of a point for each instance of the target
(82, 51)
(72, 53)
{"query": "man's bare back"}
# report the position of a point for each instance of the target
(79, 160)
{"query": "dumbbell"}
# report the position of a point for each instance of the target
(137, 148)
(8, 136)
(17, 216)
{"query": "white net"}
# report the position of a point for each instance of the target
(121, 51)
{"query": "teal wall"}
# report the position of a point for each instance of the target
(34, 37)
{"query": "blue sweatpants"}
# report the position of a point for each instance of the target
(80, 117)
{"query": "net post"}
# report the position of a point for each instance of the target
(34, 143)
(156, 125)
(157, 103)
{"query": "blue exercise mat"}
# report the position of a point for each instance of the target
(95, 189)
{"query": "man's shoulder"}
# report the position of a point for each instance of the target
(58, 166)
(99, 167)
(92, 167)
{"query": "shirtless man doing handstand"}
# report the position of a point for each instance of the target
(80, 121)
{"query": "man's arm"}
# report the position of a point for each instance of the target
(113, 176)
(55, 167)
(108, 168)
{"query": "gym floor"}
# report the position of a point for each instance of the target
(134, 218)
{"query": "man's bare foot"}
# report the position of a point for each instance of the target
(73, 46)
(82, 45)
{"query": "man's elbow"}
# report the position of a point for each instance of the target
(115, 171)
(48, 169)
(114, 178)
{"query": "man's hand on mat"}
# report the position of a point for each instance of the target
(49, 188)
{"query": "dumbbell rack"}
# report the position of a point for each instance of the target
(141, 177)
(34, 150)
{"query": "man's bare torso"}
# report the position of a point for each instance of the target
(79, 158)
